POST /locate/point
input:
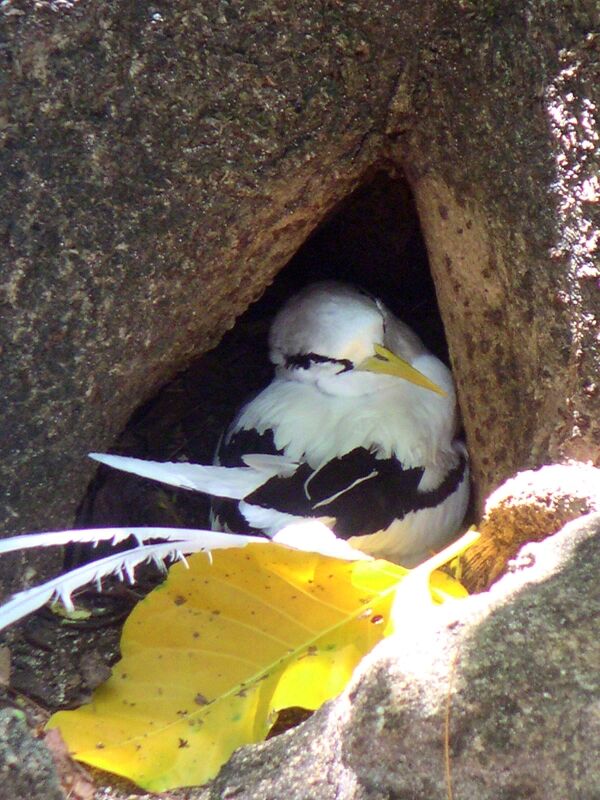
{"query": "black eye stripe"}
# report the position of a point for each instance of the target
(306, 360)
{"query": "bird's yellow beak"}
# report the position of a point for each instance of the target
(388, 363)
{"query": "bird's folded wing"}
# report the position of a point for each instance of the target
(367, 492)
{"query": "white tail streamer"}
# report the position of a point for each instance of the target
(310, 536)
(231, 482)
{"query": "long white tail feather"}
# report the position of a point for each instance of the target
(121, 564)
(303, 536)
(232, 482)
(62, 587)
(211, 539)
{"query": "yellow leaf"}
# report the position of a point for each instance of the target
(211, 656)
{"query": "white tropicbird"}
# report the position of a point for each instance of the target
(357, 425)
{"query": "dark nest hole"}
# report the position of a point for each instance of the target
(373, 240)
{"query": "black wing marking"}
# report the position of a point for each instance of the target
(243, 442)
(365, 494)
(229, 454)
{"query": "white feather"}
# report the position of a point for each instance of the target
(179, 541)
(267, 520)
(309, 425)
(273, 465)
(231, 482)
(310, 536)
(62, 587)
(313, 536)
(209, 539)
(93, 536)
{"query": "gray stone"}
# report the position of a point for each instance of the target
(528, 508)
(26, 767)
(161, 164)
(496, 696)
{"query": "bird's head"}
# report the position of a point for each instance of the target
(348, 343)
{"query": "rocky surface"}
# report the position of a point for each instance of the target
(528, 508)
(495, 697)
(162, 163)
(26, 767)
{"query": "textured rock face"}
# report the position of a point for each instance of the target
(161, 163)
(26, 767)
(496, 697)
(159, 167)
(507, 190)
(528, 508)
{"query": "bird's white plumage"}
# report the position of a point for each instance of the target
(327, 408)
(420, 533)
(313, 424)
(232, 482)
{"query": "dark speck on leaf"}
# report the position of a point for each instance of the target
(377, 619)
(179, 600)
(183, 743)
(200, 700)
